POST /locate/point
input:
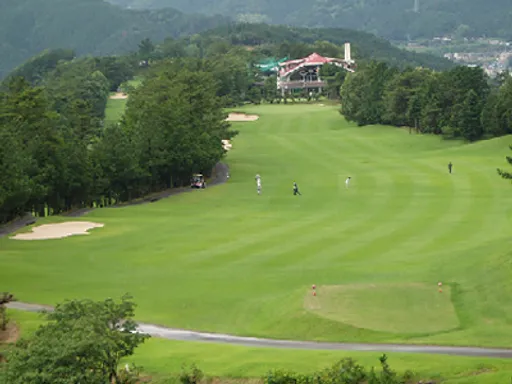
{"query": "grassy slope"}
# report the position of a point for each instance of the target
(163, 360)
(114, 111)
(227, 260)
(115, 107)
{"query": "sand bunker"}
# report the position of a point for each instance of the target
(58, 231)
(227, 145)
(119, 96)
(236, 116)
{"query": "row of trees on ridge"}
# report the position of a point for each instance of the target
(57, 154)
(460, 103)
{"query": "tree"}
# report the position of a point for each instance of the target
(470, 124)
(5, 298)
(414, 112)
(505, 174)
(362, 93)
(118, 165)
(177, 124)
(270, 89)
(146, 48)
(83, 342)
(335, 76)
(399, 92)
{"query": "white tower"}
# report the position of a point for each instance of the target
(348, 58)
(416, 6)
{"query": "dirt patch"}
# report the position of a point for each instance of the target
(238, 116)
(119, 96)
(11, 334)
(58, 231)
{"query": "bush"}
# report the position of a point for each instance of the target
(191, 375)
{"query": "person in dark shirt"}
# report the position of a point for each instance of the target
(450, 165)
(296, 189)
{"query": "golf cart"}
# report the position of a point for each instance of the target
(197, 181)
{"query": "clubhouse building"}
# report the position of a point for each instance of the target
(305, 73)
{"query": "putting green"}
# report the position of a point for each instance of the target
(226, 260)
(399, 308)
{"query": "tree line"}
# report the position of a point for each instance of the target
(459, 103)
(57, 154)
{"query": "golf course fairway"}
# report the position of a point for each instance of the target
(226, 259)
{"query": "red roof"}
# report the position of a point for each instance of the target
(313, 59)
(316, 58)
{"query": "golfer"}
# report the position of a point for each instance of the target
(258, 184)
(347, 182)
(450, 165)
(296, 189)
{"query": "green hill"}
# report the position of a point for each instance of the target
(365, 45)
(87, 26)
(395, 19)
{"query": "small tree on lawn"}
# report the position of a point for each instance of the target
(83, 342)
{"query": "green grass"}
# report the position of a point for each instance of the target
(114, 111)
(115, 107)
(380, 307)
(163, 360)
(227, 260)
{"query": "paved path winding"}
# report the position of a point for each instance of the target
(183, 335)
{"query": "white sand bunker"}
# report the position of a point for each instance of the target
(237, 116)
(227, 145)
(119, 96)
(58, 231)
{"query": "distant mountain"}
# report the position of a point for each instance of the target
(392, 19)
(27, 27)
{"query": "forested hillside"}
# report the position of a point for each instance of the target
(86, 26)
(295, 42)
(395, 19)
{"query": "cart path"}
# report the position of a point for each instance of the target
(185, 335)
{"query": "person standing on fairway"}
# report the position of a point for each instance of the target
(347, 182)
(296, 189)
(258, 184)
(450, 165)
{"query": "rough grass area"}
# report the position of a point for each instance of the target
(114, 111)
(227, 260)
(398, 308)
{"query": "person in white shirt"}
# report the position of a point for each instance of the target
(347, 182)
(258, 184)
